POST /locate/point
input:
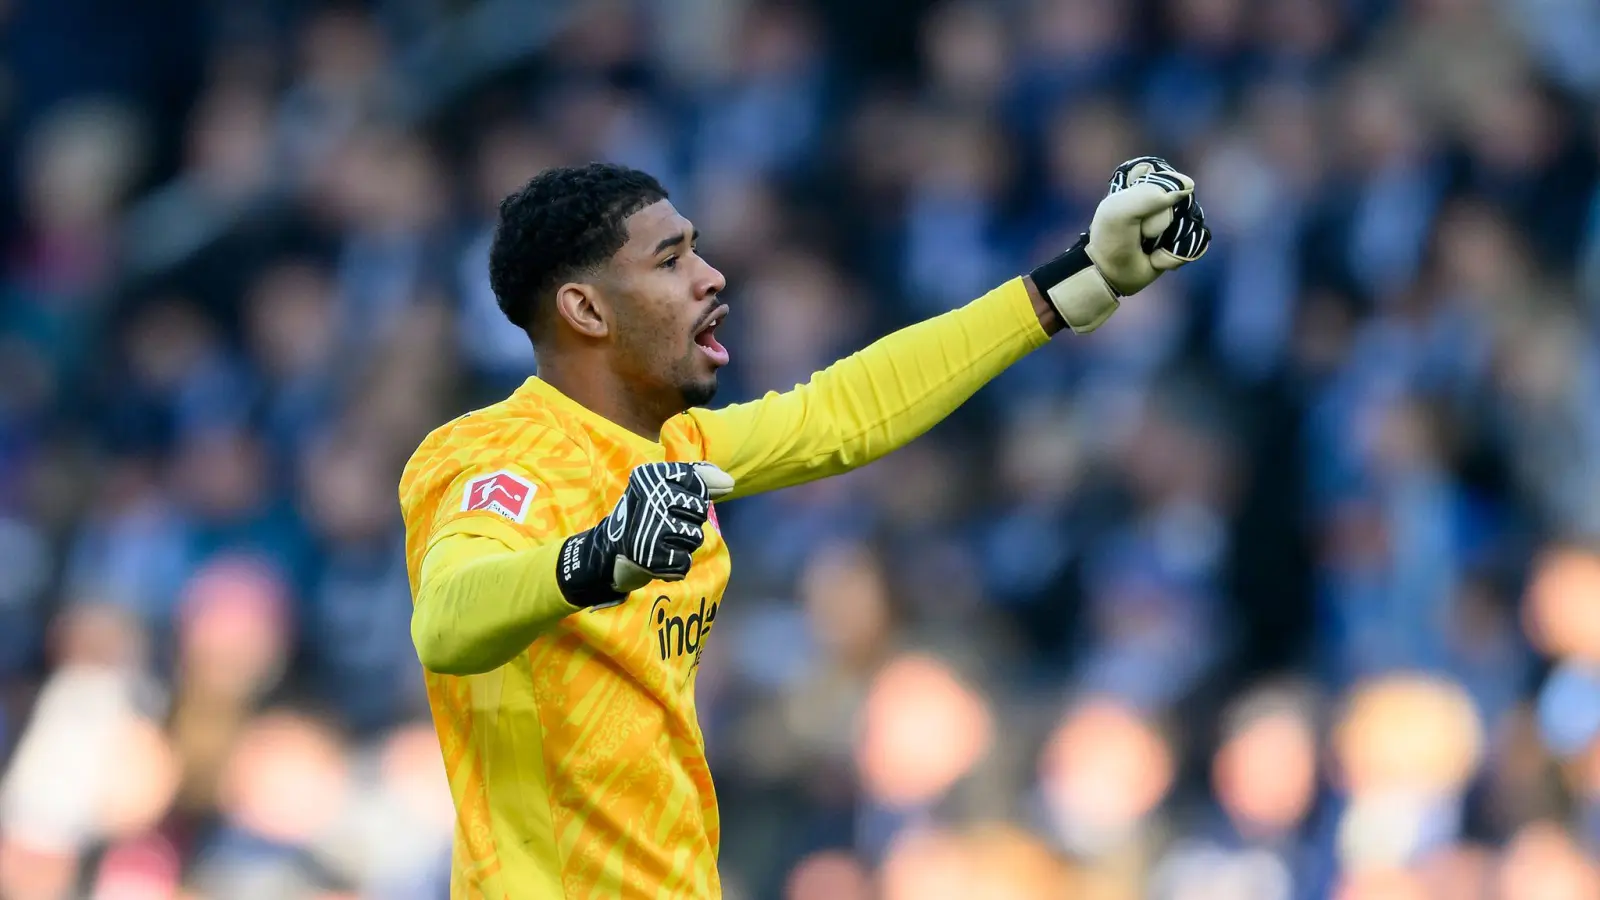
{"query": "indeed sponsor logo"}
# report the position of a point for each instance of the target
(681, 635)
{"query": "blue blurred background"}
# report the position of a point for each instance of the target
(1283, 585)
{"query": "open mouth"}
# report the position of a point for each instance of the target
(706, 338)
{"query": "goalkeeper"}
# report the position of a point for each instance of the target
(562, 544)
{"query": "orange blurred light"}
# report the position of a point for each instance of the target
(1265, 775)
(923, 729)
(929, 865)
(829, 875)
(1408, 734)
(145, 783)
(1106, 763)
(1562, 610)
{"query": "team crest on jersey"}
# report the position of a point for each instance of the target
(502, 493)
(711, 516)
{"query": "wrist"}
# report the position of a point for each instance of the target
(1076, 289)
(1049, 318)
(581, 572)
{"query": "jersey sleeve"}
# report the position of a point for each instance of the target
(482, 602)
(487, 586)
(874, 401)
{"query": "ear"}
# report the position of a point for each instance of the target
(580, 305)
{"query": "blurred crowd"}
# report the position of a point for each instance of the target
(1283, 585)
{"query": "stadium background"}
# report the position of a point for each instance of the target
(1277, 587)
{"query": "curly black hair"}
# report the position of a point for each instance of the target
(564, 221)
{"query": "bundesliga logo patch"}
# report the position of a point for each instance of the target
(501, 493)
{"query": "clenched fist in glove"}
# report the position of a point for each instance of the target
(1148, 223)
(1173, 238)
(651, 533)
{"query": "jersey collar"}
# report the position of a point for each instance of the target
(544, 391)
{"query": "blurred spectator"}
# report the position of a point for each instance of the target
(63, 793)
(1264, 839)
(826, 876)
(1104, 774)
(921, 731)
(1543, 862)
(1003, 863)
(1405, 750)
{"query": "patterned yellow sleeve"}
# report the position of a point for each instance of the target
(481, 603)
(487, 586)
(874, 401)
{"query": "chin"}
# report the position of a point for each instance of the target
(700, 391)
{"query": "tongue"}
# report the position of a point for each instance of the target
(712, 347)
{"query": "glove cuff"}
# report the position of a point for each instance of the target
(1074, 285)
(582, 575)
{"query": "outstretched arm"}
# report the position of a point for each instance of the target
(879, 399)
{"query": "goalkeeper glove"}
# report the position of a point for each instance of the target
(1146, 225)
(1172, 239)
(650, 534)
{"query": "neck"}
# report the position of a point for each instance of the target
(598, 389)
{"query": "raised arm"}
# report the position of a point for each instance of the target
(879, 399)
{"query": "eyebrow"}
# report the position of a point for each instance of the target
(673, 241)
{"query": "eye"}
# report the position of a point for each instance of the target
(670, 262)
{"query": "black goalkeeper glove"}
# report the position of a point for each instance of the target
(650, 534)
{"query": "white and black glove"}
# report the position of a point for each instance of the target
(1180, 237)
(1147, 224)
(650, 534)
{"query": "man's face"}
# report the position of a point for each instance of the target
(666, 308)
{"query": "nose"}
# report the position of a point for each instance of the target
(713, 282)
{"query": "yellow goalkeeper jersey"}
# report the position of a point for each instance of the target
(578, 768)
